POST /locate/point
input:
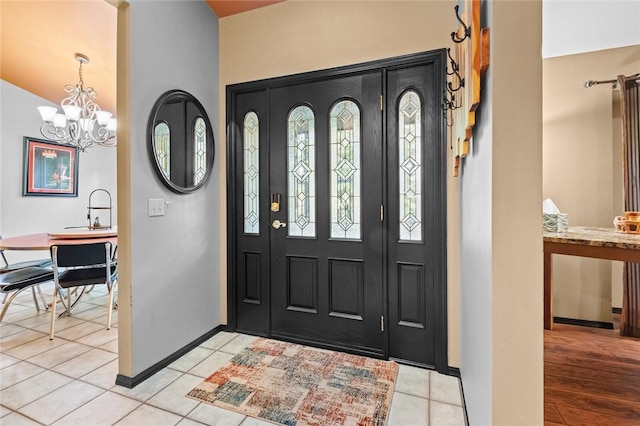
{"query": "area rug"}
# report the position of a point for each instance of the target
(290, 384)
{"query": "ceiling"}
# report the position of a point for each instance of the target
(232, 7)
(39, 40)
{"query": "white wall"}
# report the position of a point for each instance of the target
(32, 214)
(475, 258)
(175, 287)
(578, 26)
(475, 266)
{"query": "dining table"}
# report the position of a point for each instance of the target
(44, 240)
(593, 242)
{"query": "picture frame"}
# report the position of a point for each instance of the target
(50, 169)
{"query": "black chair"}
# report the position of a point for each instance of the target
(81, 265)
(8, 267)
(14, 282)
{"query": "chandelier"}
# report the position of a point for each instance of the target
(83, 123)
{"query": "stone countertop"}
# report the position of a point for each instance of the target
(598, 237)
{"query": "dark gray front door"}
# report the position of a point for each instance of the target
(326, 166)
(339, 209)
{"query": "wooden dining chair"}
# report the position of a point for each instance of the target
(81, 265)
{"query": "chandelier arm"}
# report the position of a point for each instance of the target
(54, 133)
(102, 135)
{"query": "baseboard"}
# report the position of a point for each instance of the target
(616, 310)
(583, 323)
(412, 363)
(455, 371)
(131, 382)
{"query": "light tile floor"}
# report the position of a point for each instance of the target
(71, 380)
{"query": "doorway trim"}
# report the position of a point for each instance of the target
(437, 57)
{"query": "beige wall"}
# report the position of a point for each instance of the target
(581, 171)
(299, 36)
(516, 67)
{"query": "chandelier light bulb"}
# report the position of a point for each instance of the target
(83, 124)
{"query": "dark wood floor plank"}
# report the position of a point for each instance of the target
(547, 423)
(578, 417)
(596, 364)
(574, 373)
(606, 406)
(594, 349)
(618, 391)
(592, 377)
(551, 414)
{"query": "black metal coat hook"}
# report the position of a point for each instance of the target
(460, 84)
(467, 30)
(450, 102)
(454, 67)
(454, 71)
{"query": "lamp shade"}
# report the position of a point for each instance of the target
(47, 113)
(72, 112)
(103, 117)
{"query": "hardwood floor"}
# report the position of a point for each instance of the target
(591, 377)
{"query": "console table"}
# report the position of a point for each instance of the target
(600, 243)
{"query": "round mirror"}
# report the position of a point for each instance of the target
(180, 141)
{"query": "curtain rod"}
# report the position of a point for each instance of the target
(590, 83)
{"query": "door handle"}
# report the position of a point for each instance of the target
(277, 224)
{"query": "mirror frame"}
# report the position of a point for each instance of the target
(165, 98)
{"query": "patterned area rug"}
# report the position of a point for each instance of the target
(297, 385)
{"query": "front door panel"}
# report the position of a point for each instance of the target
(326, 166)
(416, 222)
(252, 221)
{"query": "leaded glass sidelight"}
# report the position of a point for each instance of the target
(410, 166)
(251, 149)
(344, 120)
(301, 165)
(162, 139)
(200, 151)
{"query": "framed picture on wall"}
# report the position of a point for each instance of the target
(50, 168)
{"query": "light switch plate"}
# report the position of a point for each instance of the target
(156, 207)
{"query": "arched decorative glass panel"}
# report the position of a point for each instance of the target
(200, 150)
(301, 168)
(344, 120)
(410, 166)
(251, 149)
(162, 140)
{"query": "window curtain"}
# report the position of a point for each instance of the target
(629, 94)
